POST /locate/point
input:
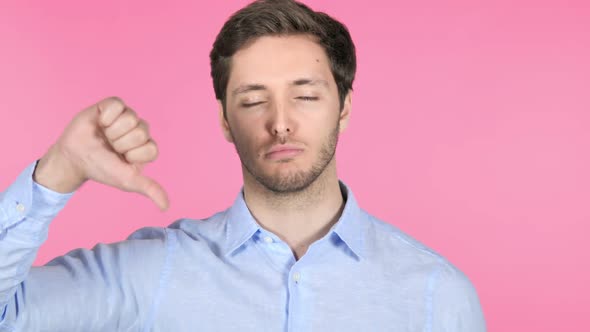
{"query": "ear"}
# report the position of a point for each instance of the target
(345, 113)
(223, 123)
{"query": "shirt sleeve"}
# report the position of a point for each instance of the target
(455, 304)
(107, 288)
(26, 210)
(16, 203)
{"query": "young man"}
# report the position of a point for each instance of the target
(293, 253)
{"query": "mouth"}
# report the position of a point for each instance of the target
(283, 152)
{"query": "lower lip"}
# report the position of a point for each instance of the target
(283, 154)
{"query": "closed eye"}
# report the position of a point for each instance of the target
(252, 104)
(307, 98)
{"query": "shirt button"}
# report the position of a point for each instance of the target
(20, 208)
(268, 239)
(296, 276)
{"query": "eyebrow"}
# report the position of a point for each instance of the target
(298, 82)
(247, 88)
(307, 81)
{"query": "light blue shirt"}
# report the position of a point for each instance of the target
(225, 273)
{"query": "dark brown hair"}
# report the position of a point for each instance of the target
(283, 17)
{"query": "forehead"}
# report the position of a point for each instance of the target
(279, 59)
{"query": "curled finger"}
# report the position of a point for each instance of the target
(143, 154)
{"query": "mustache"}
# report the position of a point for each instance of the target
(283, 140)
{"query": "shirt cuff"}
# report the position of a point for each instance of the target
(25, 198)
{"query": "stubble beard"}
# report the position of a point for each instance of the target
(294, 181)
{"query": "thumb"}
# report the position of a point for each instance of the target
(150, 188)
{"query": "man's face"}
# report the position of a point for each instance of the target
(283, 111)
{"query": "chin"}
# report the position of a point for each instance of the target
(288, 181)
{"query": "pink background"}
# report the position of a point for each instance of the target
(469, 129)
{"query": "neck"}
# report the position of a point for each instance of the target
(298, 218)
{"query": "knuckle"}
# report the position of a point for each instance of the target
(141, 136)
(144, 125)
(113, 134)
(143, 154)
(149, 153)
(112, 103)
(132, 119)
(125, 123)
(109, 108)
(108, 133)
(154, 150)
(117, 146)
(115, 100)
(130, 111)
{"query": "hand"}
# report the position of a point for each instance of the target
(107, 143)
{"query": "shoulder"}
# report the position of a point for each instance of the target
(185, 227)
(386, 239)
(452, 300)
(187, 235)
(209, 229)
(399, 250)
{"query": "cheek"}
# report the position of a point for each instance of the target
(246, 137)
(322, 124)
(240, 129)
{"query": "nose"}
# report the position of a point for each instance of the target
(280, 122)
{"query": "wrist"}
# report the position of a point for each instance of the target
(56, 173)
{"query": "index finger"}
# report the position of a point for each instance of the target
(109, 109)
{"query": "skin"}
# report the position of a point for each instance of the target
(296, 197)
(280, 93)
(106, 143)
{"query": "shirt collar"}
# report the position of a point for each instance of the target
(352, 225)
(350, 228)
(240, 224)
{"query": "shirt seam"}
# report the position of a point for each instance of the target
(171, 246)
(437, 256)
(429, 297)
